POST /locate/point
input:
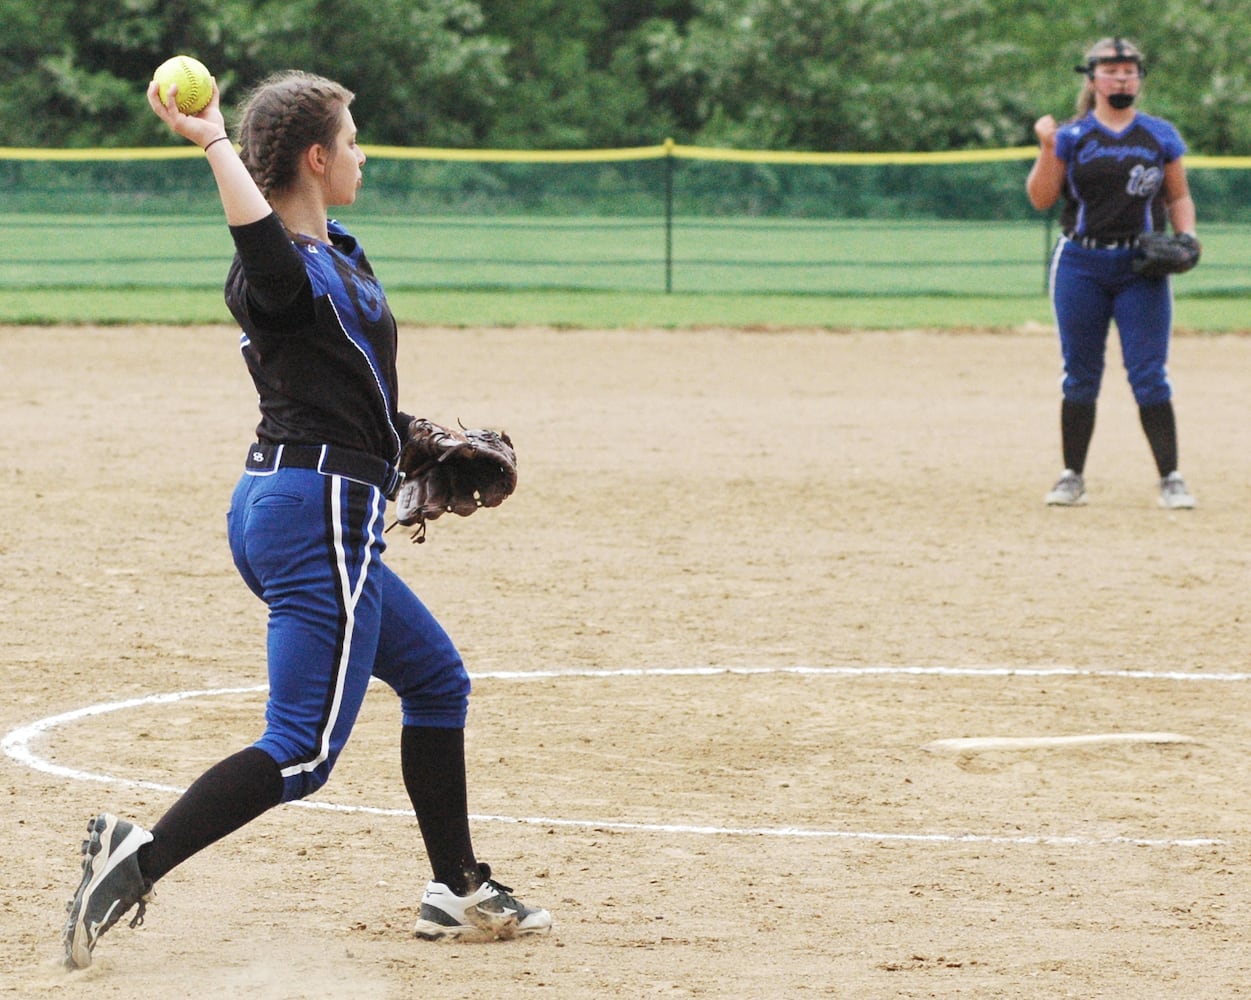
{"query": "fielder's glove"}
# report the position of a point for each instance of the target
(452, 470)
(1159, 254)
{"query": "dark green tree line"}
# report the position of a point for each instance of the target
(770, 74)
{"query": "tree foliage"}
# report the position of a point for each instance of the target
(777, 74)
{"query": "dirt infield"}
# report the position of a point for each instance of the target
(747, 582)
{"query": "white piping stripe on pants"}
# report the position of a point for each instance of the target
(352, 595)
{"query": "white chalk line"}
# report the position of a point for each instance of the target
(974, 744)
(16, 744)
(871, 671)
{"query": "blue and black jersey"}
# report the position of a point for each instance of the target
(1114, 189)
(318, 338)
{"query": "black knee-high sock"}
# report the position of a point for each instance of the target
(1160, 426)
(227, 796)
(433, 763)
(1077, 426)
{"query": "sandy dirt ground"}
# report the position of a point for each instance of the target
(747, 582)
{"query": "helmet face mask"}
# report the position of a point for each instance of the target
(1101, 70)
(1121, 53)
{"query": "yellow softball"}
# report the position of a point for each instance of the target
(191, 77)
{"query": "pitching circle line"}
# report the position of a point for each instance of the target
(16, 744)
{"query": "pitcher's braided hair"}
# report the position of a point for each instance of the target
(286, 114)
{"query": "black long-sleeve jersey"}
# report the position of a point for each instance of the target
(318, 338)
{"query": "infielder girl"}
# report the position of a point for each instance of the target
(1121, 174)
(305, 528)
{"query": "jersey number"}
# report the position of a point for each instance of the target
(1144, 182)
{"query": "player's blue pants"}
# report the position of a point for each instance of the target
(310, 545)
(1090, 289)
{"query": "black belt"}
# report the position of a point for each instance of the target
(328, 459)
(1093, 243)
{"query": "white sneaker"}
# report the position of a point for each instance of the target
(1069, 491)
(1173, 493)
(490, 912)
(111, 884)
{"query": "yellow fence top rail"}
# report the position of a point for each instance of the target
(667, 149)
(849, 159)
(515, 155)
(99, 154)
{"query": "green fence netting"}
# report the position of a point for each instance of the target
(662, 218)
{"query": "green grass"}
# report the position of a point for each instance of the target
(606, 254)
(607, 272)
(473, 307)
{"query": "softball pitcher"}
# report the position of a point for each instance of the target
(1121, 174)
(305, 528)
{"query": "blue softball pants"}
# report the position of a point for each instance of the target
(1090, 289)
(310, 546)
